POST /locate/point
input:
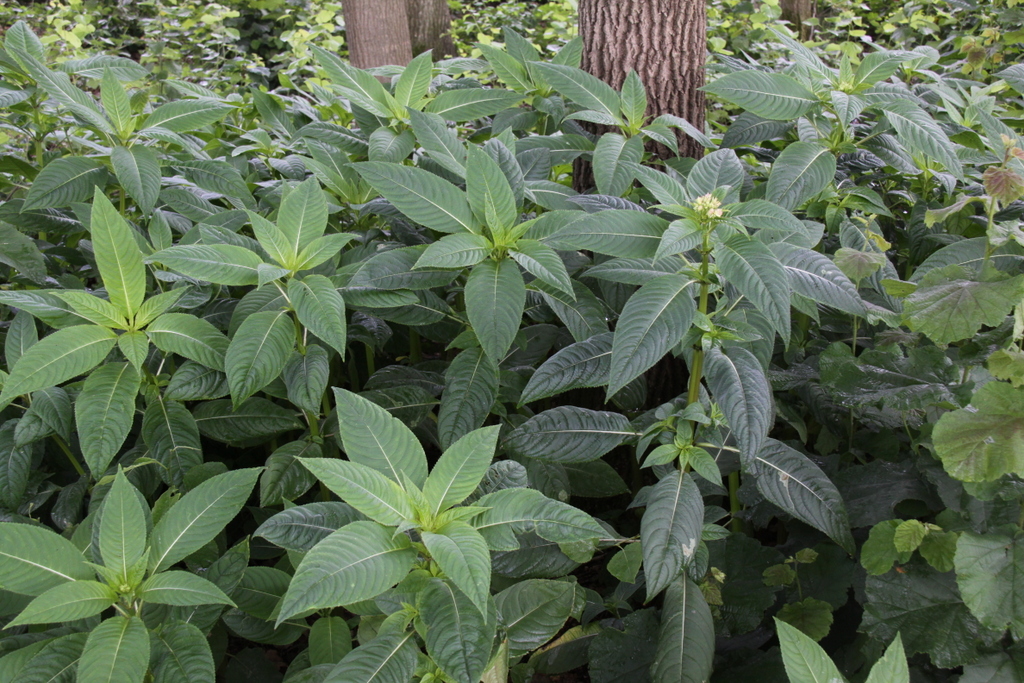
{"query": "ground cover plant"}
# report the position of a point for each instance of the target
(343, 381)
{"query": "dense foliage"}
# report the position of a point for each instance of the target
(341, 381)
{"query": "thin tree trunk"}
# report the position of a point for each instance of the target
(430, 23)
(377, 32)
(664, 41)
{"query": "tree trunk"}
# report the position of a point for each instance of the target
(377, 32)
(430, 22)
(664, 41)
(796, 12)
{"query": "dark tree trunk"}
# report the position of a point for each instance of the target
(430, 23)
(796, 12)
(664, 41)
(377, 32)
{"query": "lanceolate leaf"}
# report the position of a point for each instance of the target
(363, 488)
(753, 269)
(460, 468)
(495, 299)
(686, 642)
(104, 413)
(670, 530)
(117, 650)
(64, 354)
(462, 554)
(805, 661)
(170, 432)
(790, 480)
(816, 277)
(422, 196)
(471, 385)
(199, 516)
(122, 536)
(459, 635)
(533, 611)
(583, 364)
(182, 654)
(223, 264)
(320, 309)
(191, 337)
(740, 388)
(568, 434)
(357, 562)
(921, 134)
(802, 170)
(64, 181)
(34, 559)
(138, 170)
(769, 95)
(391, 657)
(67, 602)
(653, 321)
(581, 87)
(258, 352)
(303, 215)
(372, 437)
(520, 510)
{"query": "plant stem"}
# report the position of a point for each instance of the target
(735, 523)
(71, 456)
(371, 366)
(415, 352)
(353, 373)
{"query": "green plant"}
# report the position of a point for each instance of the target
(499, 428)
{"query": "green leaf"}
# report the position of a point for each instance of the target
(67, 602)
(441, 143)
(182, 589)
(256, 418)
(15, 465)
(507, 68)
(182, 116)
(284, 477)
(769, 95)
(58, 86)
(306, 377)
(625, 565)
(458, 471)
(258, 353)
(64, 354)
(614, 232)
(191, 337)
(805, 661)
(634, 99)
(739, 387)
(172, 436)
(815, 276)
(414, 83)
(459, 635)
(520, 510)
(790, 480)
(422, 196)
(138, 171)
(532, 612)
(582, 88)
(908, 535)
(34, 559)
(363, 89)
(320, 309)
(802, 170)
(583, 314)
(372, 437)
(303, 215)
(670, 530)
(990, 573)
(720, 169)
(892, 667)
(752, 268)
(222, 264)
(357, 562)
(117, 256)
(330, 639)
(116, 103)
(104, 413)
(364, 488)
(19, 251)
(93, 308)
(301, 527)
(122, 538)
(568, 434)
(613, 159)
(925, 608)
(686, 640)
(455, 251)
(583, 364)
(199, 516)
(462, 554)
(391, 657)
(812, 616)
(921, 134)
(52, 663)
(471, 387)
(985, 440)
(470, 104)
(544, 263)
(117, 651)
(182, 654)
(653, 320)
(489, 193)
(495, 299)
(65, 181)
(135, 347)
(878, 553)
(952, 308)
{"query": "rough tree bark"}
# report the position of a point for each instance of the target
(429, 24)
(664, 40)
(377, 32)
(796, 12)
